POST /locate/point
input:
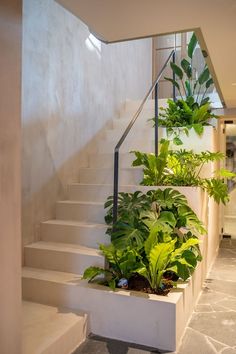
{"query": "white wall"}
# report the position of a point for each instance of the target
(72, 86)
(10, 238)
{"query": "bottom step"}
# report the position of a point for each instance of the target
(48, 329)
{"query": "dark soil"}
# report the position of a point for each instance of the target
(139, 283)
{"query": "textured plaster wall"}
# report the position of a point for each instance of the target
(72, 85)
(10, 181)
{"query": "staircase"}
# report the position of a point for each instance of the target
(53, 267)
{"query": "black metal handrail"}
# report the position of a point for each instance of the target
(136, 115)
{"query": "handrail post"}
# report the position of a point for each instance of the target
(116, 181)
(156, 119)
(174, 89)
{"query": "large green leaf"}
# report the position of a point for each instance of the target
(168, 218)
(158, 259)
(186, 66)
(209, 83)
(177, 70)
(188, 88)
(128, 234)
(226, 173)
(174, 82)
(184, 247)
(204, 76)
(217, 189)
(92, 272)
(198, 127)
(192, 45)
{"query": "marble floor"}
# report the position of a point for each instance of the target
(212, 328)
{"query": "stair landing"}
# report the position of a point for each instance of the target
(49, 330)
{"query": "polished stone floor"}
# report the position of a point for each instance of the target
(212, 328)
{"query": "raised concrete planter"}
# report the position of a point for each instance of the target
(156, 321)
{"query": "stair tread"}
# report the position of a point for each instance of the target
(74, 223)
(64, 247)
(43, 325)
(51, 275)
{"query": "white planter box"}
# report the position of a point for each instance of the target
(151, 320)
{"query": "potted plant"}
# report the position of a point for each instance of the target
(153, 243)
(183, 168)
(191, 110)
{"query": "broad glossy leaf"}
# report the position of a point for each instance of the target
(192, 45)
(198, 128)
(186, 66)
(177, 70)
(177, 141)
(174, 82)
(159, 256)
(188, 88)
(209, 83)
(226, 173)
(92, 272)
(204, 76)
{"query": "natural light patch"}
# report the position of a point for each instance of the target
(94, 45)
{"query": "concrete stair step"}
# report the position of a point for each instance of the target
(106, 160)
(82, 233)
(145, 145)
(92, 212)
(113, 135)
(48, 329)
(141, 123)
(57, 288)
(61, 257)
(132, 105)
(105, 176)
(100, 192)
(144, 115)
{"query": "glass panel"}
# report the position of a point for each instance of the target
(168, 40)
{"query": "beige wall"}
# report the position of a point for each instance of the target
(72, 85)
(10, 241)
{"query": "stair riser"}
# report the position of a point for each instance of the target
(82, 235)
(145, 114)
(122, 123)
(62, 261)
(80, 212)
(100, 192)
(107, 160)
(140, 145)
(133, 177)
(149, 105)
(89, 192)
(144, 134)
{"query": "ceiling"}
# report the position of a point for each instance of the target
(213, 20)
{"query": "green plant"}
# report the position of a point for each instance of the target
(166, 256)
(160, 217)
(183, 115)
(167, 209)
(183, 168)
(191, 83)
(192, 109)
(122, 263)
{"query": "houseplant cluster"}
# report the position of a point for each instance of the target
(155, 240)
